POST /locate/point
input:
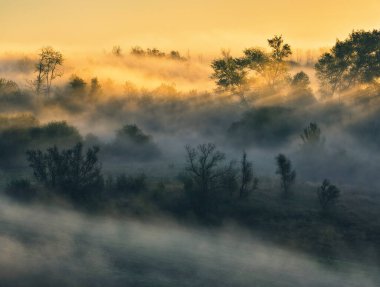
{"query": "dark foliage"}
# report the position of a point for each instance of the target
(328, 195)
(69, 171)
(265, 127)
(286, 173)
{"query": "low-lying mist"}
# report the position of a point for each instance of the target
(51, 246)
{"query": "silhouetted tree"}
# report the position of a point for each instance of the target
(355, 60)
(69, 171)
(138, 51)
(116, 51)
(95, 86)
(249, 182)
(204, 172)
(230, 75)
(287, 174)
(270, 66)
(311, 135)
(132, 133)
(77, 83)
(47, 69)
(301, 81)
(328, 195)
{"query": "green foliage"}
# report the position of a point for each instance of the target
(353, 61)
(69, 171)
(232, 73)
(286, 173)
(328, 195)
(228, 74)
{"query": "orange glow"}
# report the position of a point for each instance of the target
(200, 25)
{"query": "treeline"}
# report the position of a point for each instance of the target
(207, 181)
(150, 52)
(22, 133)
(351, 62)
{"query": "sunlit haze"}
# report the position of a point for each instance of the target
(206, 25)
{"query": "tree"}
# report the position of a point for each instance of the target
(248, 181)
(47, 69)
(272, 66)
(287, 175)
(301, 81)
(311, 135)
(232, 73)
(328, 195)
(77, 83)
(116, 51)
(204, 171)
(229, 74)
(278, 69)
(68, 171)
(353, 61)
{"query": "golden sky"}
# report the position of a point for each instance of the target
(198, 25)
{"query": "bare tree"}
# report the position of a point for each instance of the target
(205, 176)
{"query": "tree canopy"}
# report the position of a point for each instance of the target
(353, 61)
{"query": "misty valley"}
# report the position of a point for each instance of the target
(146, 167)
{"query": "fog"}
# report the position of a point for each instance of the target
(45, 246)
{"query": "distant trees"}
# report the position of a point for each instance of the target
(154, 52)
(116, 51)
(311, 135)
(328, 195)
(355, 60)
(77, 83)
(232, 73)
(70, 171)
(47, 69)
(301, 81)
(286, 173)
(8, 86)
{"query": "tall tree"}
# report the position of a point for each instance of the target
(353, 61)
(47, 69)
(287, 174)
(248, 181)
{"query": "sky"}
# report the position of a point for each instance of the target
(197, 25)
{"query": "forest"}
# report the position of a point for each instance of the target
(252, 169)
